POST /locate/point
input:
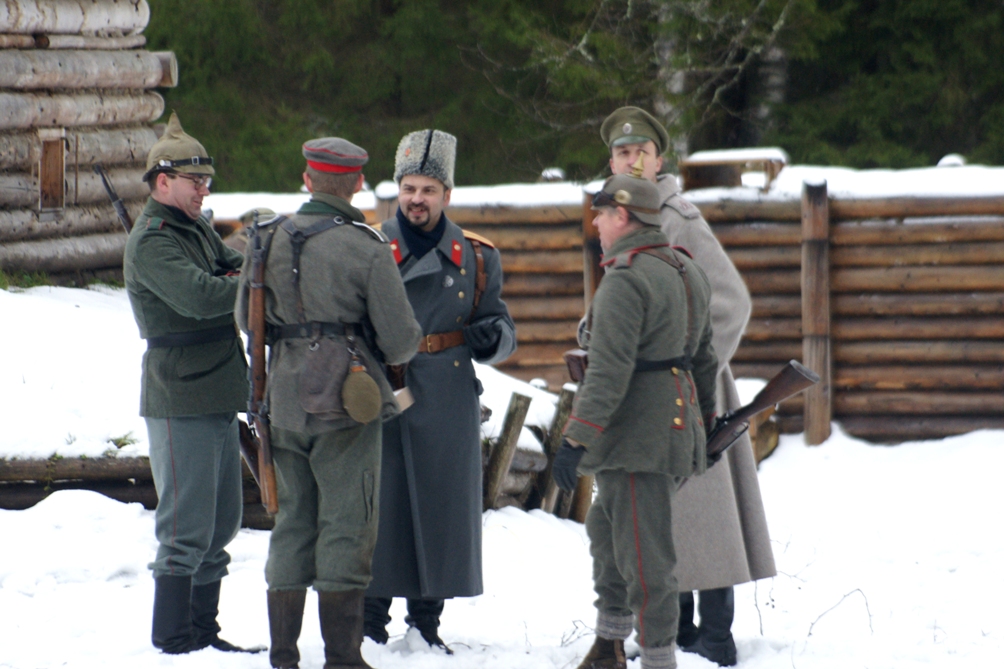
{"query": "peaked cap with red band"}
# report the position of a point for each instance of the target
(335, 155)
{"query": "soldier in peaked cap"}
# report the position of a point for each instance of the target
(326, 274)
(429, 544)
(182, 284)
(639, 420)
(719, 524)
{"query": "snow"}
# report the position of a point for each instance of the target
(759, 154)
(887, 556)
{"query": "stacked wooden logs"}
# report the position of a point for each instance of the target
(73, 71)
(916, 304)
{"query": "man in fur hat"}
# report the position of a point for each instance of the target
(429, 543)
(182, 285)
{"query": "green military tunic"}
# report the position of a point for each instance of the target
(328, 471)
(176, 277)
(643, 431)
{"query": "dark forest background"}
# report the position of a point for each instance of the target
(525, 84)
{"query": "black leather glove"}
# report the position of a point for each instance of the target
(710, 428)
(566, 462)
(484, 336)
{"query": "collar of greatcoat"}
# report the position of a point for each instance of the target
(668, 187)
(451, 247)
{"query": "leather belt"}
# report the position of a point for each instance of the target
(434, 343)
(681, 362)
(222, 333)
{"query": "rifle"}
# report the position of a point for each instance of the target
(793, 379)
(114, 197)
(257, 412)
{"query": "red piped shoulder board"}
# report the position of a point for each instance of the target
(395, 248)
(684, 251)
(478, 238)
(456, 253)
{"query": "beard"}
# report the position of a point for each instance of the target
(418, 216)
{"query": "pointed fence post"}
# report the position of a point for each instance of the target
(818, 408)
(546, 485)
(591, 250)
(501, 456)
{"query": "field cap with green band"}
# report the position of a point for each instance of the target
(636, 194)
(632, 125)
(334, 155)
(177, 151)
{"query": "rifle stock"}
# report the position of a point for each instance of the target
(117, 202)
(793, 379)
(257, 414)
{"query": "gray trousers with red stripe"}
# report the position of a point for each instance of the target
(196, 466)
(631, 541)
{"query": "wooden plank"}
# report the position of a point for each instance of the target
(750, 210)
(947, 253)
(765, 257)
(793, 424)
(542, 284)
(28, 110)
(777, 306)
(820, 403)
(547, 331)
(847, 208)
(767, 351)
(545, 482)
(532, 308)
(535, 354)
(774, 282)
(64, 255)
(25, 224)
(541, 262)
(918, 304)
(500, 461)
(68, 69)
(558, 237)
(894, 429)
(65, 469)
(918, 403)
(929, 351)
(918, 279)
(895, 233)
(758, 233)
(976, 327)
(772, 329)
(509, 215)
(924, 377)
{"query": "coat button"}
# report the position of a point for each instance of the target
(460, 318)
(679, 402)
(677, 421)
(461, 295)
(675, 371)
(456, 363)
(463, 271)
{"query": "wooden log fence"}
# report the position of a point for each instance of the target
(46, 109)
(69, 69)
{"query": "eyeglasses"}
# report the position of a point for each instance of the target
(197, 181)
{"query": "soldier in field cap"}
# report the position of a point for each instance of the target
(182, 285)
(327, 273)
(639, 420)
(429, 545)
(719, 524)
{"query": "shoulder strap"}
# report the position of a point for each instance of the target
(671, 259)
(298, 238)
(480, 278)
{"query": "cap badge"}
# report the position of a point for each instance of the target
(407, 152)
(627, 128)
(622, 197)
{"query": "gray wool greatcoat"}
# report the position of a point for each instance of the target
(429, 542)
(719, 526)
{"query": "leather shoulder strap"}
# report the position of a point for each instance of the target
(672, 260)
(298, 238)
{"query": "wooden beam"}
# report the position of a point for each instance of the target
(89, 42)
(765, 257)
(895, 429)
(926, 351)
(84, 469)
(773, 282)
(557, 237)
(946, 253)
(72, 17)
(541, 262)
(815, 284)
(923, 377)
(895, 233)
(545, 482)
(592, 252)
(918, 304)
(45, 69)
(500, 460)
(533, 308)
(542, 284)
(508, 215)
(973, 327)
(955, 279)
(759, 233)
(27, 224)
(547, 331)
(28, 110)
(772, 329)
(64, 255)
(899, 207)
(861, 403)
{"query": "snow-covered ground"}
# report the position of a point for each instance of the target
(887, 557)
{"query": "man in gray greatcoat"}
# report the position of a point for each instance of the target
(719, 525)
(639, 420)
(182, 283)
(429, 545)
(326, 273)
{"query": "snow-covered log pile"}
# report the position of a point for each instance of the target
(908, 330)
(76, 90)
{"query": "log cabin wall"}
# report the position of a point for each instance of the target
(73, 75)
(916, 310)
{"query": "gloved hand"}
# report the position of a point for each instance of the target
(483, 336)
(566, 461)
(710, 428)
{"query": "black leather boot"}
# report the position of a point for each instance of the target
(687, 633)
(715, 642)
(172, 614)
(285, 618)
(605, 654)
(375, 618)
(423, 615)
(205, 608)
(341, 615)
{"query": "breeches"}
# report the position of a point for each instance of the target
(196, 466)
(631, 541)
(326, 528)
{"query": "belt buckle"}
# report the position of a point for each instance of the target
(428, 343)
